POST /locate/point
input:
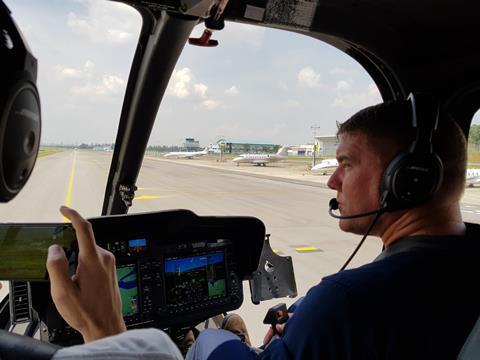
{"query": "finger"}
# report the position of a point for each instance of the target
(83, 230)
(268, 336)
(57, 267)
(279, 328)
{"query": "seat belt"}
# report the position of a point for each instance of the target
(471, 348)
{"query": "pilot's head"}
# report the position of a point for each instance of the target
(389, 131)
(20, 119)
(370, 142)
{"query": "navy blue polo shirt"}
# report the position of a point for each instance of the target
(420, 300)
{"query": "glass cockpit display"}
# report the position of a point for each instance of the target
(128, 285)
(195, 279)
(137, 246)
(24, 248)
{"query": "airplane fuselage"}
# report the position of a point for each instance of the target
(324, 166)
(258, 159)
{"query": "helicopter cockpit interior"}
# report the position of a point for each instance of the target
(178, 269)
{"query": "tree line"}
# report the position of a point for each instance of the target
(474, 135)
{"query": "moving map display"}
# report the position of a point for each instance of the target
(195, 279)
(127, 283)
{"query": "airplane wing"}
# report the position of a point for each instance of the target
(260, 161)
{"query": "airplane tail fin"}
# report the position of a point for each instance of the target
(283, 151)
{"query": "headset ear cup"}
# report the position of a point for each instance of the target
(387, 194)
(20, 124)
(411, 179)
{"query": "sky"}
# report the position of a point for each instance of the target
(259, 84)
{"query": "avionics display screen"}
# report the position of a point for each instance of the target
(195, 279)
(127, 282)
(24, 248)
(137, 245)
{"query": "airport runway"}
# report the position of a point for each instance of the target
(294, 211)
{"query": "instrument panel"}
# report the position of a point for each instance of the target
(174, 268)
(158, 282)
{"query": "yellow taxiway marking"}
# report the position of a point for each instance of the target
(306, 249)
(70, 184)
(146, 197)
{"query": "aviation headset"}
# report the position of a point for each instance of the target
(20, 119)
(413, 177)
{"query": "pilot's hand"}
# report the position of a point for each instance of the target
(279, 331)
(89, 301)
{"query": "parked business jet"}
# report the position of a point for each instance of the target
(325, 166)
(472, 177)
(262, 159)
(186, 154)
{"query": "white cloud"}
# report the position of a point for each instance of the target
(112, 84)
(373, 90)
(211, 104)
(88, 66)
(69, 72)
(180, 83)
(344, 85)
(108, 22)
(181, 86)
(232, 91)
(309, 78)
(292, 104)
(109, 85)
(358, 100)
(340, 71)
(201, 90)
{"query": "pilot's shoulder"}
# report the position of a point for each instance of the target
(375, 275)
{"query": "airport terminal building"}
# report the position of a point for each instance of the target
(327, 145)
(235, 146)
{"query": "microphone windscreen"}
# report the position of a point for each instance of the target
(333, 204)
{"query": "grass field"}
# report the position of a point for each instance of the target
(45, 151)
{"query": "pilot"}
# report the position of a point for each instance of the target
(416, 300)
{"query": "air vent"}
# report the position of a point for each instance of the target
(20, 302)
